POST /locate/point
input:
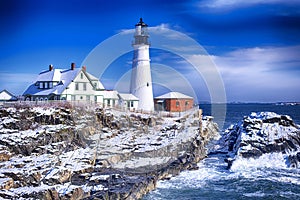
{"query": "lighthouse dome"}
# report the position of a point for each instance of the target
(141, 23)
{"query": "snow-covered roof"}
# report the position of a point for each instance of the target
(109, 94)
(174, 95)
(7, 96)
(93, 78)
(63, 76)
(49, 75)
(128, 97)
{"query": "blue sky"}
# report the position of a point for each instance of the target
(255, 45)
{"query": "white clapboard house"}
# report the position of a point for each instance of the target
(73, 84)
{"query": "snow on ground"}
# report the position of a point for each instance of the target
(121, 148)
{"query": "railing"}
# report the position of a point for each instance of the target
(92, 104)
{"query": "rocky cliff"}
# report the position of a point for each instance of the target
(263, 133)
(86, 152)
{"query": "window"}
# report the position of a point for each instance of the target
(50, 84)
(177, 103)
(41, 85)
(95, 85)
(46, 85)
(81, 75)
(131, 104)
(95, 98)
(186, 103)
(84, 86)
(128, 104)
(73, 97)
(108, 102)
(81, 97)
(88, 98)
(76, 86)
(113, 102)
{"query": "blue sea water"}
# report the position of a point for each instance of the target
(264, 179)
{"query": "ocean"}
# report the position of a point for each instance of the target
(267, 178)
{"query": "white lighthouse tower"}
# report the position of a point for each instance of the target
(141, 82)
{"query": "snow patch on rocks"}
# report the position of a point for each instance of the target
(261, 134)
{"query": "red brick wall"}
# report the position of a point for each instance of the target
(179, 105)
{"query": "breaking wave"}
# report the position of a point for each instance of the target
(266, 177)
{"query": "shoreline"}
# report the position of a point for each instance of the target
(109, 155)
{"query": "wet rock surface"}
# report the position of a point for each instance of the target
(87, 152)
(263, 133)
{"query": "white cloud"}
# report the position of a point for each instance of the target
(261, 73)
(249, 74)
(233, 4)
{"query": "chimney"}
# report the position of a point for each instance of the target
(50, 67)
(72, 66)
(84, 68)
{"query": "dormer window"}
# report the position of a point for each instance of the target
(81, 75)
(46, 85)
(41, 86)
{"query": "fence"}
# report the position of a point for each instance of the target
(92, 104)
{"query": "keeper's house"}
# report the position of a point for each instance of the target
(173, 102)
(76, 84)
(64, 84)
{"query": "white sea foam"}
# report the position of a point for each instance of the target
(198, 178)
(269, 167)
(254, 194)
(269, 160)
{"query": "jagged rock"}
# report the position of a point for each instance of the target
(74, 194)
(66, 152)
(5, 154)
(6, 183)
(58, 176)
(261, 133)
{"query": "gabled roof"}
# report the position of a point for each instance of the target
(93, 78)
(174, 95)
(128, 97)
(7, 96)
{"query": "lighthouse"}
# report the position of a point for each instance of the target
(141, 82)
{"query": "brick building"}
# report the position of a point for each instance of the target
(173, 102)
